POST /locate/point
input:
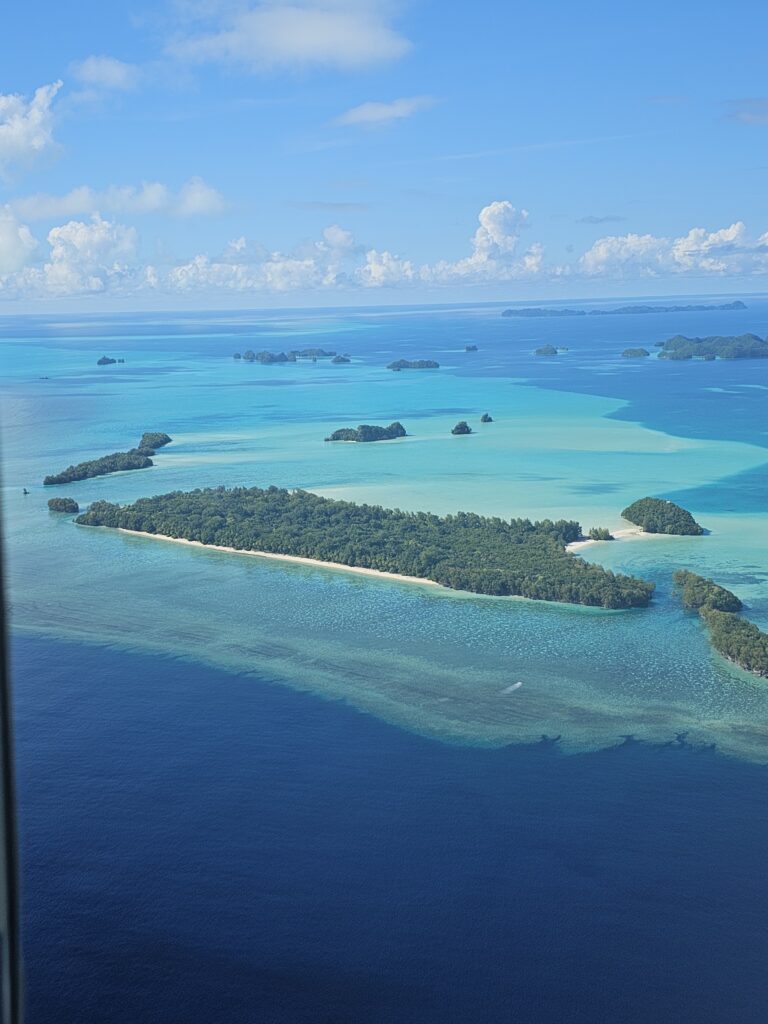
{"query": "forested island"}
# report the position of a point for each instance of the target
(543, 311)
(470, 348)
(656, 515)
(546, 350)
(105, 361)
(135, 458)
(414, 364)
(63, 505)
(462, 551)
(486, 418)
(283, 357)
(462, 427)
(152, 440)
(341, 359)
(742, 346)
(635, 353)
(737, 639)
(365, 432)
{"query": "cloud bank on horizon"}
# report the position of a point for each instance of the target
(200, 160)
(99, 256)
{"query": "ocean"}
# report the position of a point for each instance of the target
(259, 792)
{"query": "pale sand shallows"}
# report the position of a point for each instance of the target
(630, 533)
(284, 558)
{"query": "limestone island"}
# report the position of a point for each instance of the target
(543, 311)
(742, 346)
(635, 353)
(365, 432)
(63, 505)
(414, 364)
(470, 348)
(464, 551)
(656, 515)
(462, 427)
(152, 440)
(486, 418)
(108, 361)
(341, 359)
(737, 639)
(117, 462)
(267, 358)
(546, 350)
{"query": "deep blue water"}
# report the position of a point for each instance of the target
(197, 847)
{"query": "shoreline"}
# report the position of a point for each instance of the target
(628, 533)
(298, 559)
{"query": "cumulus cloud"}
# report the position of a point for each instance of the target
(495, 254)
(26, 126)
(727, 251)
(242, 267)
(374, 114)
(84, 258)
(106, 74)
(98, 256)
(195, 198)
(17, 243)
(382, 269)
(340, 34)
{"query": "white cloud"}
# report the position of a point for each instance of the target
(243, 267)
(384, 113)
(26, 126)
(17, 243)
(340, 34)
(195, 198)
(98, 256)
(727, 251)
(495, 251)
(382, 269)
(106, 74)
(84, 258)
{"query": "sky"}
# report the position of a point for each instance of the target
(186, 154)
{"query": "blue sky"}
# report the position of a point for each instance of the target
(314, 152)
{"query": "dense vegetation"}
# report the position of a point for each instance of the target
(744, 346)
(268, 357)
(538, 311)
(153, 439)
(635, 353)
(414, 364)
(737, 640)
(283, 357)
(136, 458)
(63, 505)
(366, 432)
(546, 350)
(698, 592)
(462, 551)
(655, 515)
(740, 641)
(486, 418)
(600, 533)
(462, 427)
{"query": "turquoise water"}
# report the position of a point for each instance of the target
(579, 436)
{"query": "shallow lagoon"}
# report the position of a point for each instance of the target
(578, 436)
